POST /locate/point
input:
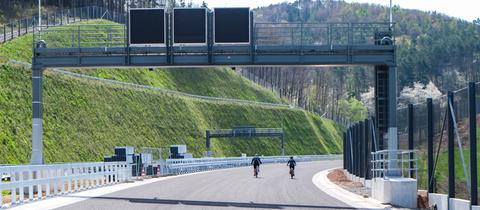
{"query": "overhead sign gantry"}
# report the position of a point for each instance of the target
(222, 37)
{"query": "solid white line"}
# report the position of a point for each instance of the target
(322, 182)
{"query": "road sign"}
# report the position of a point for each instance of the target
(189, 25)
(147, 27)
(232, 25)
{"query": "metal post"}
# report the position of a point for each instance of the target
(19, 27)
(5, 33)
(451, 148)
(473, 142)
(354, 149)
(410, 138)
(367, 149)
(362, 149)
(344, 150)
(283, 145)
(39, 12)
(208, 143)
(37, 114)
(430, 144)
(392, 120)
(11, 30)
(350, 150)
(210, 37)
(47, 19)
(356, 143)
(252, 38)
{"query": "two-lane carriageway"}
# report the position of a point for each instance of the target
(225, 189)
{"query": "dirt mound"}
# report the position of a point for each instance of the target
(338, 177)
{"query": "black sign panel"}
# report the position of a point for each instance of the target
(189, 25)
(147, 26)
(232, 25)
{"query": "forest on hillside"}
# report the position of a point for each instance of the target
(435, 52)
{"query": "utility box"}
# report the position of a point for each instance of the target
(178, 151)
(124, 151)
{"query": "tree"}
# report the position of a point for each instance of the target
(352, 109)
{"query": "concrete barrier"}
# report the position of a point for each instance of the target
(440, 200)
(459, 204)
(475, 207)
(398, 191)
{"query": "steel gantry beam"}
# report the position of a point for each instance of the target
(245, 132)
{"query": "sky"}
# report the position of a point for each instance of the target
(464, 9)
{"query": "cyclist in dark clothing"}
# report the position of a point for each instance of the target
(256, 165)
(291, 164)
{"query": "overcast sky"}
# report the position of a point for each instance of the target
(465, 9)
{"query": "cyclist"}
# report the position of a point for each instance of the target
(291, 164)
(256, 165)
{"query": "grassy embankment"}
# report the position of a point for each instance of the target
(85, 119)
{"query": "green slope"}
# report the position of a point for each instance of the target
(85, 119)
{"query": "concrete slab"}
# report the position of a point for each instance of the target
(459, 204)
(440, 200)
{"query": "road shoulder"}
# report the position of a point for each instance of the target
(322, 182)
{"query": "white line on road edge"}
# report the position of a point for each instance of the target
(61, 201)
(322, 182)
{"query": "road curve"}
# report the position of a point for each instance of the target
(225, 189)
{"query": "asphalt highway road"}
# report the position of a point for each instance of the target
(225, 189)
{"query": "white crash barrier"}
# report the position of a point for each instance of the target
(35, 182)
(181, 166)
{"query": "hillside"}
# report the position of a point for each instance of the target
(430, 45)
(85, 119)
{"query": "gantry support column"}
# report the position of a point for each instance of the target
(37, 115)
(392, 121)
(207, 143)
(386, 110)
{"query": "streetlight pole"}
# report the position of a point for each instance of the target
(39, 12)
(391, 15)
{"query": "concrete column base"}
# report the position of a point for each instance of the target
(440, 200)
(459, 204)
(397, 191)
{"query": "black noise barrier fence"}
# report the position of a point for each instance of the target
(444, 132)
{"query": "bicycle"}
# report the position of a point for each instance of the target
(255, 171)
(292, 173)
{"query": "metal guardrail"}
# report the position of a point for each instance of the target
(399, 162)
(29, 183)
(167, 91)
(265, 34)
(182, 166)
(35, 182)
(16, 28)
